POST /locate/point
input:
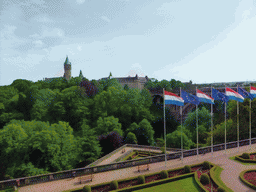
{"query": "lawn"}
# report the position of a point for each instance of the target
(184, 185)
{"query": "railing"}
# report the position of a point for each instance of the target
(113, 166)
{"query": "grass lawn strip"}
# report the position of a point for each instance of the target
(183, 185)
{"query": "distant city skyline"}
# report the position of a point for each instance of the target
(201, 41)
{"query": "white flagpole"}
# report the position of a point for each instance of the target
(164, 129)
(250, 116)
(197, 126)
(225, 124)
(211, 124)
(237, 122)
(181, 131)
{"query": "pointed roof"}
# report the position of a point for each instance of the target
(67, 61)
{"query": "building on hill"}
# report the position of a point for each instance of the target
(131, 82)
(67, 71)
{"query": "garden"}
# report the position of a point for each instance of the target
(200, 177)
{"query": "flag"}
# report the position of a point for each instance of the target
(189, 98)
(171, 98)
(244, 93)
(253, 91)
(203, 97)
(219, 96)
(232, 95)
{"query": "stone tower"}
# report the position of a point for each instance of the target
(67, 69)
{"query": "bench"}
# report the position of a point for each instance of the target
(85, 178)
(145, 167)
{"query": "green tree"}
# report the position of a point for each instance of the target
(131, 138)
(88, 147)
(204, 119)
(143, 131)
(108, 124)
(174, 140)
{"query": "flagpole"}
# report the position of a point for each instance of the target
(225, 123)
(181, 131)
(250, 116)
(197, 126)
(237, 122)
(211, 124)
(164, 129)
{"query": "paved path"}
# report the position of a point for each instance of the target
(230, 174)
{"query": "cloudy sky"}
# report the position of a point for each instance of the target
(202, 41)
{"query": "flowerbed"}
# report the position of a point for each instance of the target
(211, 186)
(253, 157)
(250, 177)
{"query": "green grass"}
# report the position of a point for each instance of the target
(184, 185)
(233, 158)
(218, 171)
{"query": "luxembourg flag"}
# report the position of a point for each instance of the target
(171, 98)
(203, 97)
(232, 95)
(253, 91)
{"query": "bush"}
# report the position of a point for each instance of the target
(245, 156)
(164, 174)
(204, 179)
(187, 169)
(206, 165)
(163, 150)
(221, 189)
(141, 179)
(114, 185)
(87, 188)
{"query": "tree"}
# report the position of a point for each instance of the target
(108, 124)
(174, 140)
(204, 119)
(131, 138)
(143, 131)
(88, 146)
(89, 88)
(110, 142)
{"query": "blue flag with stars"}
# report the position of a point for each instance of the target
(189, 98)
(244, 93)
(219, 96)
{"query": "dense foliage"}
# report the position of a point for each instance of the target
(56, 125)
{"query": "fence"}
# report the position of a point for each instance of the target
(113, 166)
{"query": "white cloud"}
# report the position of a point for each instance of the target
(105, 18)
(52, 32)
(136, 69)
(80, 1)
(38, 43)
(79, 48)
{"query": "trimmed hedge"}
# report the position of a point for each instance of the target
(206, 165)
(87, 188)
(204, 179)
(141, 179)
(114, 185)
(187, 169)
(246, 156)
(164, 174)
(221, 189)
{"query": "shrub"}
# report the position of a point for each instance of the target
(141, 179)
(204, 179)
(164, 174)
(163, 150)
(187, 169)
(114, 185)
(206, 165)
(221, 189)
(87, 188)
(245, 156)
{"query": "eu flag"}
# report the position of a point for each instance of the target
(244, 93)
(189, 98)
(219, 96)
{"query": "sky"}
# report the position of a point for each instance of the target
(202, 41)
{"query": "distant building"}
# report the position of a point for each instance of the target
(67, 71)
(131, 82)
